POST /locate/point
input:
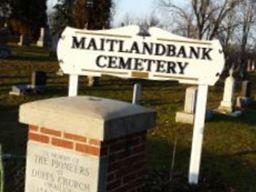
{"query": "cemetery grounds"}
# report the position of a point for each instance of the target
(229, 149)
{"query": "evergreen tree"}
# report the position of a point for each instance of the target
(90, 14)
(28, 16)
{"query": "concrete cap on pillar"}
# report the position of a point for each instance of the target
(98, 118)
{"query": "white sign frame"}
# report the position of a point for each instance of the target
(196, 62)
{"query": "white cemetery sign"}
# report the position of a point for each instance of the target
(160, 55)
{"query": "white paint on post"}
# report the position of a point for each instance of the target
(136, 94)
(198, 133)
(73, 85)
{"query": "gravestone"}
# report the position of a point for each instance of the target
(85, 144)
(244, 100)
(249, 66)
(93, 81)
(24, 40)
(187, 116)
(5, 51)
(21, 42)
(136, 93)
(38, 85)
(54, 43)
(39, 79)
(227, 103)
(41, 40)
(253, 65)
(246, 89)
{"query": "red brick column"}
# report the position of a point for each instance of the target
(125, 156)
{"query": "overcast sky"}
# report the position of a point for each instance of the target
(133, 8)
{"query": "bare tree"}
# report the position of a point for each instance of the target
(207, 15)
(149, 21)
(228, 28)
(181, 18)
(248, 18)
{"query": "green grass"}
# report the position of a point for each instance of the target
(229, 150)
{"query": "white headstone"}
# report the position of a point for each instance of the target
(249, 66)
(21, 42)
(190, 100)
(187, 116)
(40, 42)
(253, 65)
(227, 103)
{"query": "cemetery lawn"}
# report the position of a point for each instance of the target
(229, 149)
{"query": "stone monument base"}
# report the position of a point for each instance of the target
(40, 44)
(188, 118)
(183, 117)
(227, 112)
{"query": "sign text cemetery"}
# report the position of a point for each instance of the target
(158, 55)
(121, 52)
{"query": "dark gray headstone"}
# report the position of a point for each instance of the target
(246, 89)
(93, 81)
(39, 79)
(5, 51)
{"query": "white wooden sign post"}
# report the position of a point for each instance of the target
(160, 55)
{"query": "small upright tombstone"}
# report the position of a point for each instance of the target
(244, 99)
(227, 103)
(187, 116)
(253, 66)
(41, 40)
(24, 40)
(93, 81)
(136, 94)
(20, 43)
(39, 79)
(249, 66)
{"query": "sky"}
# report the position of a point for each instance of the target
(133, 8)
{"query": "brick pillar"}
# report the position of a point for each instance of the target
(83, 144)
